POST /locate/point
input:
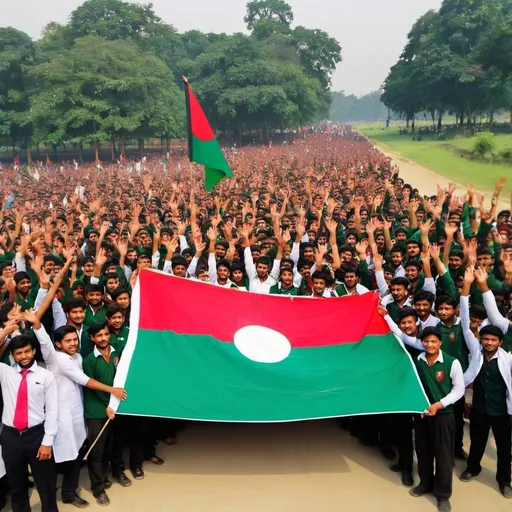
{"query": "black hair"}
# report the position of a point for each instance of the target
(95, 328)
(478, 312)
(396, 248)
(224, 263)
(446, 299)
(400, 281)
(319, 274)
(112, 310)
(59, 333)
(432, 330)
(413, 263)
(74, 302)
(94, 288)
(119, 291)
(405, 312)
(424, 295)
(21, 341)
(491, 330)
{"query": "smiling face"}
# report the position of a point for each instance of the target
(24, 356)
(431, 344)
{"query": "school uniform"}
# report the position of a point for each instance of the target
(443, 382)
(278, 289)
(492, 403)
(71, 434)
(497, 319)
(455, 346)
(92, 316)
(95, 404)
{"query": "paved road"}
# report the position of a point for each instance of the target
(296, 467)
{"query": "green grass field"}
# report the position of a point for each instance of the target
(447, 158)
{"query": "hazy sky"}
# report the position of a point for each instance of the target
(372, 33)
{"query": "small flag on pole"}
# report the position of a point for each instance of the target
(203, 148)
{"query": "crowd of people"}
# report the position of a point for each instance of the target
(326, 216)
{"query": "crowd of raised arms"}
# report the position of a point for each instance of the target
(326, 216)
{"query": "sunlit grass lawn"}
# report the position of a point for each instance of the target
(442, 157)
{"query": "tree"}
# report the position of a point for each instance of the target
(111, 90)
(268, 10)
(113, 19)
(319, 53)
(16, 58)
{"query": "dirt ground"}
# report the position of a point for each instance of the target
(295, 467)
(426, 181)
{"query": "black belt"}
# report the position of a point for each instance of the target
(26, 431)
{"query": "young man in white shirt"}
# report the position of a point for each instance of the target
(490, 372)
(30, 419)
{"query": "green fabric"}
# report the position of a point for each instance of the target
(210, 379)
(490, 390)
(507, 340)
(393, 309)
(209, 154)
(477, 298)
(436, 379)
(454, 344)
(91, 317)
(445, 282)
(86, 345)
(118, 341)
(7, 256)
(96, 402)
(276, 290)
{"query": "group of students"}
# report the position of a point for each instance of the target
(344, 224)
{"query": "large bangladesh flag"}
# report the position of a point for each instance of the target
(203, 352)
(203, 148)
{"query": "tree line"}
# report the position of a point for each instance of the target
(113, 74)
(350, 108)
(458, 61)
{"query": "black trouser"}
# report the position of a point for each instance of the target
(479, 427)
(99, 458)
(70, 476)
(20, 450)
(434, 442)
(4, 491)
(374, 429)
(402, 439)
(131, 431)
(459, 410)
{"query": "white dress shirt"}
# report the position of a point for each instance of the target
(255, 284)
(43, 402)
(476, 351)
(70, 378)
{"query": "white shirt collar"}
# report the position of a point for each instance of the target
(439, 358)
(97, 352)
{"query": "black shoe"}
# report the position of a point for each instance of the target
(108, 484)
(461, 455)
(3, 503)
(419, 490)
(137, 473)
(387, 451)
(466, 476)
(443, 505)
(506, 490)
(407, 479)
(102, 499)
(123, 480)
(395, 468)
(77, 502)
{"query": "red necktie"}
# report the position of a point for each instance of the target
(21, 413)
